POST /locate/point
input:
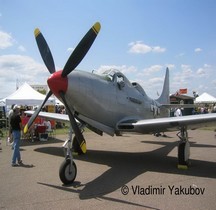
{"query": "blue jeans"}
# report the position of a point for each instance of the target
(16, 145)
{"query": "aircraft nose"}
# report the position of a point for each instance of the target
(57, 83)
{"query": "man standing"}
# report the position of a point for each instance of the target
(10, 139)
(178, 112)
(16, 126)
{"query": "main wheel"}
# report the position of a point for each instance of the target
(183, 153)
(67, 172)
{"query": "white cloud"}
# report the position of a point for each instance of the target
(140, 48)
(20, 65)
(182, 78)
(180, 55)
(170, 66)
(21, 48)
(186, 71)
(152, 69)
(151, 86)
(23, 68)
(6, 40)
(207, 66)
(197, 50)
(156, 80)
(199, 79)
(158, 49)
(201, 72)
(204, 71)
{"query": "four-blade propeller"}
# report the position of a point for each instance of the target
(76, 57)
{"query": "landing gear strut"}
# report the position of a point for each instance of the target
(183, 148)
(68, 169)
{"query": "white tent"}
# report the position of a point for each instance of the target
(205, 98)
(26, 95)
(2, 103)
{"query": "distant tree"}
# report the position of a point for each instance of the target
(195, 94)
(42, 91)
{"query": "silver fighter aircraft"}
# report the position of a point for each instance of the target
(108, 103)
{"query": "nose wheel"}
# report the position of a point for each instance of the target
(68, 171)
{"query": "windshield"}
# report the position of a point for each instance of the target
(108, 74)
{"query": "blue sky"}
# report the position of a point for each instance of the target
(139, 37)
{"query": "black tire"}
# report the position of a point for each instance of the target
(181, 154)
(76, 146)
(66, 173)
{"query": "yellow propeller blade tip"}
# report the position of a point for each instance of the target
(25, 130)
(83, 147)
(96, 27)
(36, 32)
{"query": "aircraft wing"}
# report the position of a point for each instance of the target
(169, 106)
(167, 124)
(51, 116)
(91, 124)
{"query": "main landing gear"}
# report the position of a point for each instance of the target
(68, 169)
(183, 148)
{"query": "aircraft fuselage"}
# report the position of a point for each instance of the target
(109, 99)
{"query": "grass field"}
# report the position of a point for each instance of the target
(58, 131)
(65, 130)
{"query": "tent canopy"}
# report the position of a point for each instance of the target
(2, 103)
(205, 98)
(26, 95)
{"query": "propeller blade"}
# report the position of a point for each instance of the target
(78, 134)
(33, 117)
(44, 51)
(81, 49)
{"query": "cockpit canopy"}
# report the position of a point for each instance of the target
(112, 75)
(109, 74)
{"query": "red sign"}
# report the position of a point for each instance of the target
(183, 91)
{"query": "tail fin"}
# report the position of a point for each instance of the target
(164, 97)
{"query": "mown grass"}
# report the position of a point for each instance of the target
(58, 131)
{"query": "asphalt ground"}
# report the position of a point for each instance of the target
(130, 172)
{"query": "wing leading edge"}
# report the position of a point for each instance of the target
(51, 116)
(167, 124)
(149, 125)
(93, 125)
